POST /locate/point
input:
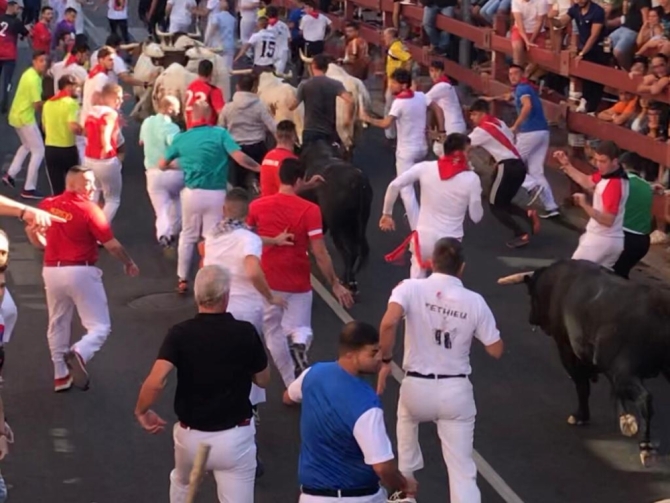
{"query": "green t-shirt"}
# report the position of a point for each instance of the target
(203, 153)
(28, 92)
(637, 216)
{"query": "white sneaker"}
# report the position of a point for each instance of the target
(400, 497)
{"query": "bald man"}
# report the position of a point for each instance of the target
(163, 187)
(203, 152)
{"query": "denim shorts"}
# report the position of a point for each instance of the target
(623, 39)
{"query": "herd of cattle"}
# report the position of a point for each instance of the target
(582, 306)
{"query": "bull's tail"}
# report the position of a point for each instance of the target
(363, 217)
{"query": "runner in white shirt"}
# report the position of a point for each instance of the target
(179, 12)
(409, 112)
(441, 319)
(264, 44)
(444, 94)
(314, 27)
(283, 35)
(497, 139)
(97, 78)
(117, 15)
(603, 240)
(449, 190)
(211, 8)
(248, 10)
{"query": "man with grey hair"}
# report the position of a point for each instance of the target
(217, 359)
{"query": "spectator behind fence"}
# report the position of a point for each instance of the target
(657, 79)
(439, 40)
(493, 7)
(650, 38)
(624, 38)
(528, 29)
(622, 111)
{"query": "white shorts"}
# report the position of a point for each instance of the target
(599, 249)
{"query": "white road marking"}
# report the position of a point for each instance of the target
(485, 469)
(527, 262)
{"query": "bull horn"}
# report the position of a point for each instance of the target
(514, 279)
(305, 58)
(241, 72)
(197, 33)
(215, 50)
(129, 47)
(286, 76)
(160, 33)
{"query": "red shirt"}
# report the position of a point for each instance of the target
(270, 169)
(76, 240)
(96, 121)
(286, 268)
(41, 36)
(10, 29)
(199, 90)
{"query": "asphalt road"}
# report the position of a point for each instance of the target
(86, 447)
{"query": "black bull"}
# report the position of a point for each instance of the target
(345, 200)
(604, 324)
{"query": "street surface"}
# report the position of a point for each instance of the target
(87, 447)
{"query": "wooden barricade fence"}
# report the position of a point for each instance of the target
(494, 40)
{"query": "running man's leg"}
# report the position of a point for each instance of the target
(533, 148)
(61, 309)
(91, 300)
(235, 483)
(35, 144)
(297, 323)
(190, 232)
(276, 340)
(160, 200)
(109, 180)
(21, 154)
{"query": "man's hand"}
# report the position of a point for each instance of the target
(131, 269)
(386, 223)
(579, 199)
(561, 157)
(284, 239)
(577, 59)
(151, 422)
(411, 487)
(315, 181)
(343, 295)
(382, 377)
(278, 301)
(40, 219)
(530, 44)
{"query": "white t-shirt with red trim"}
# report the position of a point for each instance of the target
(91, 86)
(609, 196)
(480, 138)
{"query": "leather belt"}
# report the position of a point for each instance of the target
(434, 376)
(68, 263)
(340, 493)
(241, 424)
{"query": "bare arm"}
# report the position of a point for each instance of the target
(390, 476)
(252, 268)
(388, 329)
(518, 24)
(262, 378)
(496, 349)
(382, 123)
(658, 86)
(117, 250)
(439, 115)
(582, 179)
(595, 33)
(242, 52)
(603, 218)
(323, 260)
(245, 161)
(153, 386)
(129, 78)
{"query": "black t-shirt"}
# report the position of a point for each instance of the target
(216, 356)
(319, 95)
(11, 28)
(634, 14)
(593, 15)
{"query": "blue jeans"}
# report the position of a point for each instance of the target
(492, 7)
(7, 70)
(438, 39)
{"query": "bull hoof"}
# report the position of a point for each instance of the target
(648, 456)
(628, 425)
(577, 420)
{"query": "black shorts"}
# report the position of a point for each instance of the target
(314, 48)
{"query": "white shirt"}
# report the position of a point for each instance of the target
(446, 98)
(410, 118)
(609, 196)
(530, 11)
(369, 429)
(213, 6)
(264, 43)
(59, 70)
(314, 28)
(444, 203)
(91, 86)
(283, 35)
(229, 250)
(480, 138)
(180, 16)
(119, 66)
(248, 13)
(117, 9)
(441, 318)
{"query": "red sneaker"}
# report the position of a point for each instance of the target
(63, 383)
(182, 287)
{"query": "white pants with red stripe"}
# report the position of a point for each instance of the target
(405, 159)
(245, 310)
(33, 144)
(232, 459)
(533, 148)
(380, 497)
(284, 326)
(69, 288)
(450, 404)
(599, 249)
(164, 188)
(201, 210)
(108, 183)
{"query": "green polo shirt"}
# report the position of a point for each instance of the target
(637, 217)
(203, 153)
(28, 92)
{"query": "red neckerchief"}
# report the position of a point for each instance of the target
(491, 124)
(272, 21)
(314, 14)
(97, 69)
(452, 164)
(524, 80)
(63, 93)
(405, 94)
(443, 78)
(71, 59)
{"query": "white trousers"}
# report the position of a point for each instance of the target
(108, 183)
(80, 141)
(68, 288)
(390, 132)
(450, 404)
(247, 26)
(283, 326)
(164, 188)
(599, 249)
(533, 148)
(201, 211)
(179, 26)
(379, 497)
(9, 315)
(232, 459)
(282, 60)
(244, 310)
(405, 159)
(33, 144)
